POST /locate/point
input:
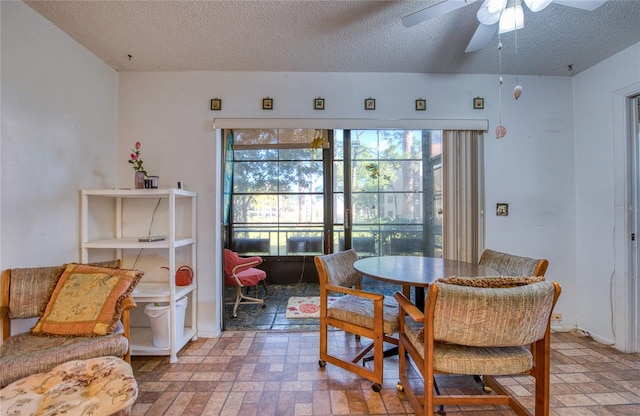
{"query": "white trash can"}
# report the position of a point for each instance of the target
(160, 322)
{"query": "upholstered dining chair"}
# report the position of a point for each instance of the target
(356, 311)
(241, 272)
(492, 326)
(511, 265)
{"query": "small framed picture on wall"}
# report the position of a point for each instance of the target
(369, 103)
(318, 103)
(267, 103)
(216, 104)
(421, 104)
(478, 103)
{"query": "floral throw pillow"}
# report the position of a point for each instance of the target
(87, 300)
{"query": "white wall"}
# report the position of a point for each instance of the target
(58, 135)
(602, 238)
(60, 123)
(531, 168)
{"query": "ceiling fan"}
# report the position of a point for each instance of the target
(494, 15)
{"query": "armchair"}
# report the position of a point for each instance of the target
(511, 265)
(240, 272)
(356, 311)
(26, 293)
(500, 329)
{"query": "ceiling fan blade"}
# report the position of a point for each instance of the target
(434, 11)
(482, 37)
(589, 5)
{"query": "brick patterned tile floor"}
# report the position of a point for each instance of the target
(277, 373)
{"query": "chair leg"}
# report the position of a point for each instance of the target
(435, 386)
(238, 298)
(248, 289)
(480, 380)
(255, 289)
(241, 299)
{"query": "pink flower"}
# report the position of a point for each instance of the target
(136, 160)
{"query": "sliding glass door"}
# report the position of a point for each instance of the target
(297, 193)
(387, 192)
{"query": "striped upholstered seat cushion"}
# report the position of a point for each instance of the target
(359, 311)
(456, 359)
(25, 354)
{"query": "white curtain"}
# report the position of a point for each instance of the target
(461, 200)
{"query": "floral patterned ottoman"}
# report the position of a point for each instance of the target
(97, 387)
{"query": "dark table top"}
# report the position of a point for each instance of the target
(418, 271)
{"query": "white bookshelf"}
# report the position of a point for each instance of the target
(112, 220)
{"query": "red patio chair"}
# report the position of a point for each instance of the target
(240, 272)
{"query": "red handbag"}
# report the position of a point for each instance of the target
(184, 275)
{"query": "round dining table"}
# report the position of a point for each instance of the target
(418, 272)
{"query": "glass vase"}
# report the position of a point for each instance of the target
(139, 180)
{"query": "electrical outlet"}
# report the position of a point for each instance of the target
(556, 316)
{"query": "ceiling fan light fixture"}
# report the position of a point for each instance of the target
(512, 18)
(490, 11)
(537, 5)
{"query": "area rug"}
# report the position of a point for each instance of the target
(304, 307)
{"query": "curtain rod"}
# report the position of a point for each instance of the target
(350, 123)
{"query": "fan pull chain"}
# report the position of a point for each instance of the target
(517, 91)
(501, 131)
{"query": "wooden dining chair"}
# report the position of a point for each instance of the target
(364, 314)
(453, 336)
(511, 265)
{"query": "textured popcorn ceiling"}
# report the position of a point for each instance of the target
(336, 36)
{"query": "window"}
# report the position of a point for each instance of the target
(386, 183)
(277, 204)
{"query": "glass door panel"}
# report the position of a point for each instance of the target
(393, 194)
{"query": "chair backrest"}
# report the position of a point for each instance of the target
(234, 263)
(337, 269)
(27, 290)
(496, 317)
(510, 265)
